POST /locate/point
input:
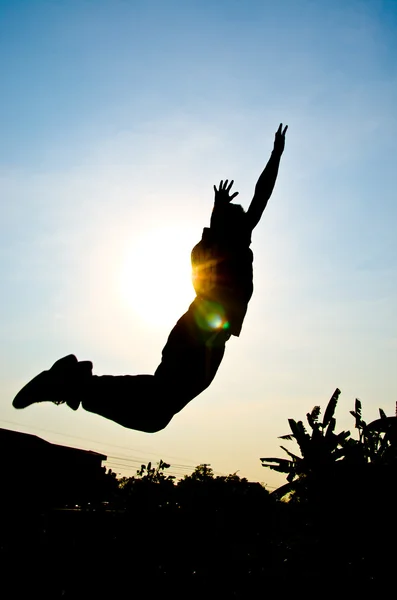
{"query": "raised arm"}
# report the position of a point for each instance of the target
(266, 181)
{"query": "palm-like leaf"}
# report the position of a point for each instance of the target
(329, 411)
(312, 417)
(331, 427)
(301, 436)
(382, 425)
(293, 456)
(357, 414)
(282, 466)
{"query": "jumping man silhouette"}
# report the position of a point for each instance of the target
(223, 281)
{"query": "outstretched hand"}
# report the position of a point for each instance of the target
(279, 139)
(222, 194)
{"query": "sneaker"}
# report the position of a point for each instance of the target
(59, 385)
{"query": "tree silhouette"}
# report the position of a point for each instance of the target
(332, 463)
(319, 450)
(377, 442)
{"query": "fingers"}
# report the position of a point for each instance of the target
(224, 189)
(281, 131)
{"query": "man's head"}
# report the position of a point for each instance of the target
(227, 221)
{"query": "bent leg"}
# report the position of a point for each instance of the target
(133, 401)
(190, 360)
(191, 356)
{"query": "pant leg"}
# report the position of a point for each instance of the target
(190, 360)
(191, 356)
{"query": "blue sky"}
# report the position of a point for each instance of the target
(117, 118)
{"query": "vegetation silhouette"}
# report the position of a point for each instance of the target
(343, 490)
(326, 455)
(221, 536)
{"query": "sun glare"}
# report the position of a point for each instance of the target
(156, 276)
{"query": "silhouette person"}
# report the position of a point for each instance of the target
(223, 281)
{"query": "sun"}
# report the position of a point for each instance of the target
(155, 278)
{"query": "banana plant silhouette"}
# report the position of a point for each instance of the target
(377, 442)
(319, 450)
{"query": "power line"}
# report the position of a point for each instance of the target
(177, 468)
(143, 452)
(134, 460)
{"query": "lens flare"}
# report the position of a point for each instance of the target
(210, 316)
(214, 321)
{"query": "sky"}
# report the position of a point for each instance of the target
(117, 119)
